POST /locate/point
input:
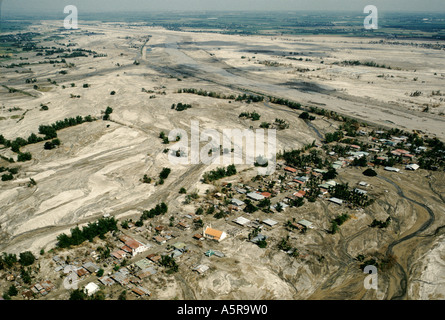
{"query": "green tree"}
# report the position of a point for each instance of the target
(12, 291)
(164, 173)
(100, 272)
(78, 294)
(123, 295)
(262, 244)
(22, 157)
(26, 258)
(26, 275)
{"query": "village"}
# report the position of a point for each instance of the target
(130, 261)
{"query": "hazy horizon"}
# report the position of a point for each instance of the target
(55, 7)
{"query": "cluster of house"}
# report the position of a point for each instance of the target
(42, 288)
(407, 157)
(130, 248)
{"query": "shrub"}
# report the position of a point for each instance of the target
(7, 177)
(164, 173)
(369, 173)
(22, 157)
(12, 291)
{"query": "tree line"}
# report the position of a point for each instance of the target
(89, 232)
(219, 173)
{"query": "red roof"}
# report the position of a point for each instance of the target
(300, 194)
(81, 272)
(266, 194)
(290, 169)
(133, 244)
(126, 249)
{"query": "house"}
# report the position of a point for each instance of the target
(133, 245)
(363, 184)
(392, 169)
(91, 267)
(214, 234)
(219, 254)
(300, 194)
(324, 186)
(198, 236)
(412, 166)
(121, 278)
(337, 164)
(159, 228)
(140, 291)
(201, 268)
(106, 280)
(401, 151)
(183, 225)
(297, 226)
(241, 221)
(144, 273)
(331, 183)
(181, 246)
(159, 239)
(360, 191)
(47, 285)
(266, 194)
(255, 196)
(289, 169)
(259, 237)
(336, 200)
(241, 190)
(237, 202)
(305, 223)
(153, 257)
(209, 253)
(282, 204)
(91, 288)
(270, 222)
(81, 272)
(190, 216)
(143, 264)
(176, 253)
(299, 182)
(119, 254)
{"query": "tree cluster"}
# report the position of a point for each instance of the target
(89, 232)
(219, 173)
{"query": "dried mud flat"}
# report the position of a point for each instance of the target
(98, 167)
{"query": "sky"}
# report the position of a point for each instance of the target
(56, 6)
